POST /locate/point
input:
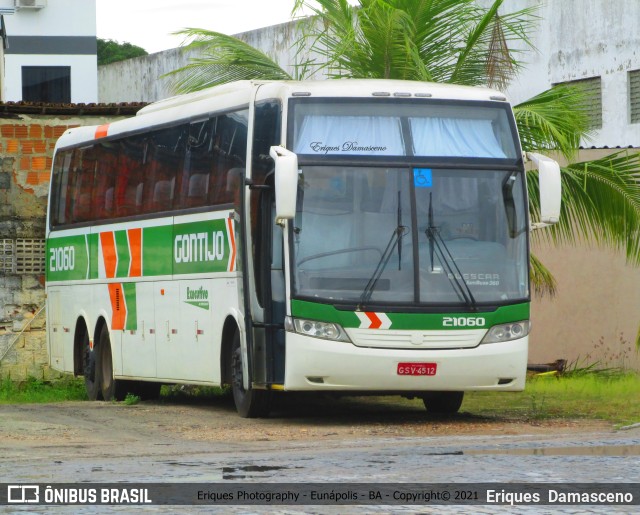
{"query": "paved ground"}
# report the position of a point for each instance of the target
(346, 442)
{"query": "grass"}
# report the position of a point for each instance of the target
(612, 395)
(36, 391)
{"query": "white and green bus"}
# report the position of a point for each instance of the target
(340, 236)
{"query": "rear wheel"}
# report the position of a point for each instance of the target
(249, 403)
(443, 402)
(112, 389)
(90, 369)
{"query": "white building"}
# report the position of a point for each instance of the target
(50, 52)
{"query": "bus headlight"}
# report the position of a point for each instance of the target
(506, 332)
(325, 330)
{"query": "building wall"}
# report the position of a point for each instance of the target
(61, 34)
(582, 39)
(141, 79)
(595, 315)
(26, 149)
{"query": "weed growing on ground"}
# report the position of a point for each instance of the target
(131, 399)
(35, 390)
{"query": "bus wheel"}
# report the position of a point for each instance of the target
(443, 402)
(90, 370)
(249, 403)
(112, 389)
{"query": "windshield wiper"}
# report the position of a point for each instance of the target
(439, 247)
(397, 234)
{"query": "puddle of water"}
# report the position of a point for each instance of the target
(584, 450)
(247, 471)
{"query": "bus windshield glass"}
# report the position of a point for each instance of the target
(378, 235)
(403, 128)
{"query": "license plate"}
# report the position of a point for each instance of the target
(417, 369)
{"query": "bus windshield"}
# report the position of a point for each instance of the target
(403, 128)
(377, 235)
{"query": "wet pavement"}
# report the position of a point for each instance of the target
(88, 455)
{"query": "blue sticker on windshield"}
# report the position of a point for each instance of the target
(337, 184)
(422, 177)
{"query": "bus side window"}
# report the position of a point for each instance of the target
(166, 161)
(84, 184)
(60, 179)
(229, 148)
(104, 182)
(131, 179)
(73, 185)
(197, 166)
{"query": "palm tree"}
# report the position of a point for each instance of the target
(452, 41)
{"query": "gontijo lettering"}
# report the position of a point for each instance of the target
(202, 246)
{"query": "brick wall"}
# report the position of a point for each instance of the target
(26, 150)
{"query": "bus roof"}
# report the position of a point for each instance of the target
(336, 88)
(239, 94)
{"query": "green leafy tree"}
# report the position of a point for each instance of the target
(110, 51)
(460, 42)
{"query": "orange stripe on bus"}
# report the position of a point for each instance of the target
(102, 130)
(118, 307)
(109, 253)
(135, 248)
(232, 238)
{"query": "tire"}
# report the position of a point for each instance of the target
(249, 403)
(112, 389)
(443, 403)
(90, 370)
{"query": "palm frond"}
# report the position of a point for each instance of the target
(554, 120)
(485, 56)
(542, 280)
(600, 201)
(222, 59)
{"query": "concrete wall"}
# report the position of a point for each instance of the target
(595, 315)
(141, 78)
(26, 149)
(581, 39)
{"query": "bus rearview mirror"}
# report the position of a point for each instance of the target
(550, 189)
(286, 182)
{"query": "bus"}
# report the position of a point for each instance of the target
(342, 236)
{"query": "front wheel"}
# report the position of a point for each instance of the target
(443, 403)
(249, 403)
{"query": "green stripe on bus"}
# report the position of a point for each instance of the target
(409, 321)
(67, 258)
(180, 249)
(130, 298)
(156, 250)
(93, 240)
(124, 256)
